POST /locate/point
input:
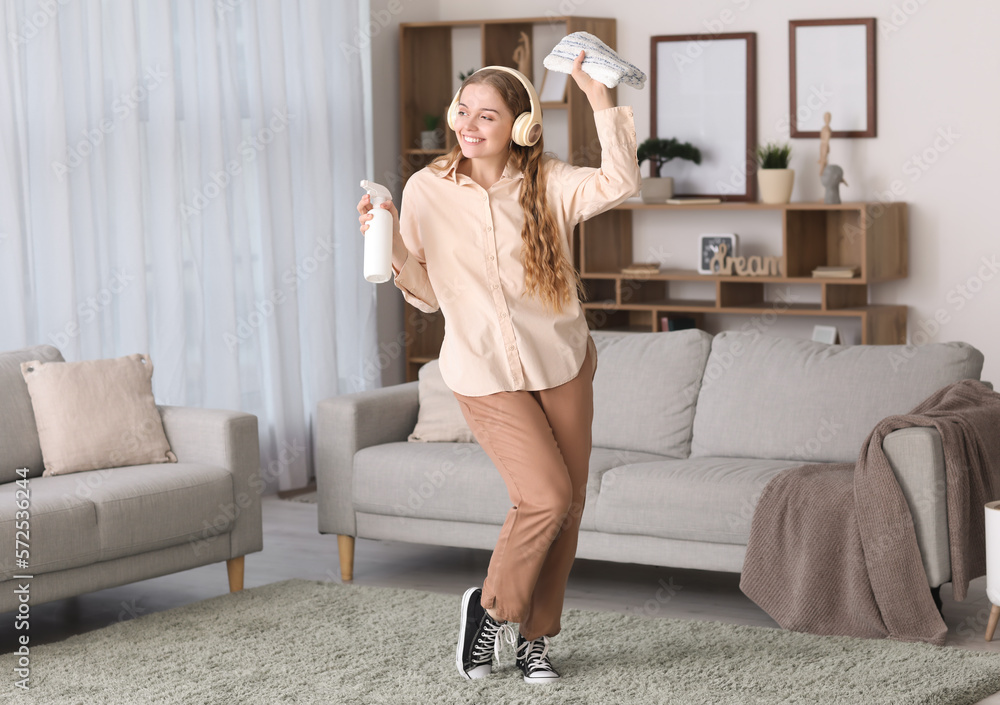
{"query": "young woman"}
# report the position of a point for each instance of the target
(483, 236)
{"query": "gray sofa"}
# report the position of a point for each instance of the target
(98, 529)
(688, 429)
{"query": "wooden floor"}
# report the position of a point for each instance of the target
(294, 548)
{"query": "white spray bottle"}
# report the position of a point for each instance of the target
(378, 237)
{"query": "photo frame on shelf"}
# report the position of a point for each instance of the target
(553, 88)
(832, 69)
(826, 334)
(708, 245)
(704, 91)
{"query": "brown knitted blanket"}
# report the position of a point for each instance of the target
(832, 548)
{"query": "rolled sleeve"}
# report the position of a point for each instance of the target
(412, 278)
(588, 191)
(413, 281)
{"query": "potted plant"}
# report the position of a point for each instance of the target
(657, 188)
(773, 175)
(430, 138)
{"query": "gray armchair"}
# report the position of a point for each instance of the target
(102, 528)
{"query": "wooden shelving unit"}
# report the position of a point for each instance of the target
(426, 87)
(871, 236)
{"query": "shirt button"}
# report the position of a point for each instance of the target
(486, 197)
(496, 286)
(489, 228)
(492, 257)
(503, 315)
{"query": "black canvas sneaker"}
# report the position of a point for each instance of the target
(479, 637)
(533, 660)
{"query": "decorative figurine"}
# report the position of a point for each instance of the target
(824, 143)
(832, 178)
(522, 55)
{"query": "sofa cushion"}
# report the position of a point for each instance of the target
(19, 447)
(697, 499)
(645, 389)
(453, 481)
(96, 413)
(439, 417)
(146, 507)
(784, 398)
(62, 524)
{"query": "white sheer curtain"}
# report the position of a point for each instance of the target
(179, 178)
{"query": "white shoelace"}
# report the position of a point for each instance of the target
(497, 635)
(536, 661)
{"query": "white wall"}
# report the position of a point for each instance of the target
(937, 64)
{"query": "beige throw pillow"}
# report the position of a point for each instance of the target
(96, 414)
(439, 417)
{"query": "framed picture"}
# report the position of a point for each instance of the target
(832, 70)
(708, 246)
(826, 334)
(704, 91)
(553, 88)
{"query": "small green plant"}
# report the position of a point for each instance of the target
(659, 152)
(463, 76)
(773, 155)
(430, 122)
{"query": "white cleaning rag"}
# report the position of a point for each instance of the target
(600, 63)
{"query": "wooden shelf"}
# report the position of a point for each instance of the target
(631, 205)
(870, 236)
(694, 275)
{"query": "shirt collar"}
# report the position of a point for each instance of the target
(509, 172)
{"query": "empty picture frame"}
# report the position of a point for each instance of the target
(832, 69)
(553, 89)
(704, 91)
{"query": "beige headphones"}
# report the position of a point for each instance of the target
(525, 124)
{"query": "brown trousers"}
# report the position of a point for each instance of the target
(540, 442)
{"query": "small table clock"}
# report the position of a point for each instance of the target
(709, 246)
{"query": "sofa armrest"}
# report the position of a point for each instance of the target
(917, 459)
(227, 439)
(344, 425)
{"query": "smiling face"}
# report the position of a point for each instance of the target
(483, 123)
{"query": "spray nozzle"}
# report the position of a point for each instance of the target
(378, 192)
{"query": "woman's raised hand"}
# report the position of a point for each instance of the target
(597, 93)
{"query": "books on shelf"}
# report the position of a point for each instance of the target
(841, 272)
(674, 322)
(638, 269)
(693, 199)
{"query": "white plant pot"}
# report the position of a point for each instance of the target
(775, 185)
(657, 189)
(430, 139)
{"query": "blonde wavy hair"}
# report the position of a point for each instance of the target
(548, 272)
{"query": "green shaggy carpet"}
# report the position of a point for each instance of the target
(302, 641)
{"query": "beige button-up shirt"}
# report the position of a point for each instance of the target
(464, 258)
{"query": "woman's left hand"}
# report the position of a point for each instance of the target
(597, 93)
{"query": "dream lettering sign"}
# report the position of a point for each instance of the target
(755, 266)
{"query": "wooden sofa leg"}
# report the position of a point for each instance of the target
(234, 566)
(345, 546)
(991, 627)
